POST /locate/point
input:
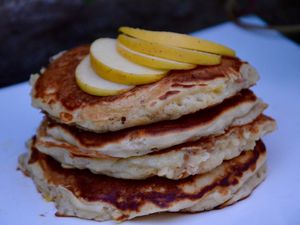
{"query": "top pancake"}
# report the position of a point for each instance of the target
(181, 92)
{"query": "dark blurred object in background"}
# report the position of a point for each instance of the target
(33, 30)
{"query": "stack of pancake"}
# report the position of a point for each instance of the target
(189, 142)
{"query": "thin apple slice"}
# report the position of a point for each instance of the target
(91, 83)
(169, 52)
(152, 61)
(110, 65)
(178, 40)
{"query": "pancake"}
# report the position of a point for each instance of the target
(180, 93)
(86, 195)
(176, 162)
(237, 110)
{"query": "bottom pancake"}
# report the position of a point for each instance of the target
(84, 194)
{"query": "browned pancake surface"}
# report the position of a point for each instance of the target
(133, 194)
(91, 139)
(60, 77)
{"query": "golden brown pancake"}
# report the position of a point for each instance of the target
(176, 162)
(180, 93)
(83, 194)
(136, 141)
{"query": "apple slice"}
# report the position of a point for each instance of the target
(178, 40)
(91, 83)
(152, 61)
(110, 65)
(169, 52)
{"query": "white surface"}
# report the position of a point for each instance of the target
(276, 201)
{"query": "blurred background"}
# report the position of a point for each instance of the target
(33, 30)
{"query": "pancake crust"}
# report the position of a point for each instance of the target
(239, 109)
(180, 93)
(83, 194)
(176, 162)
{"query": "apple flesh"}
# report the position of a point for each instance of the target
(169, 52)
(110, 65)
(178, 40)
(91, 83)
(152, 61)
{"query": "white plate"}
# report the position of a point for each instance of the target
(276, 201)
